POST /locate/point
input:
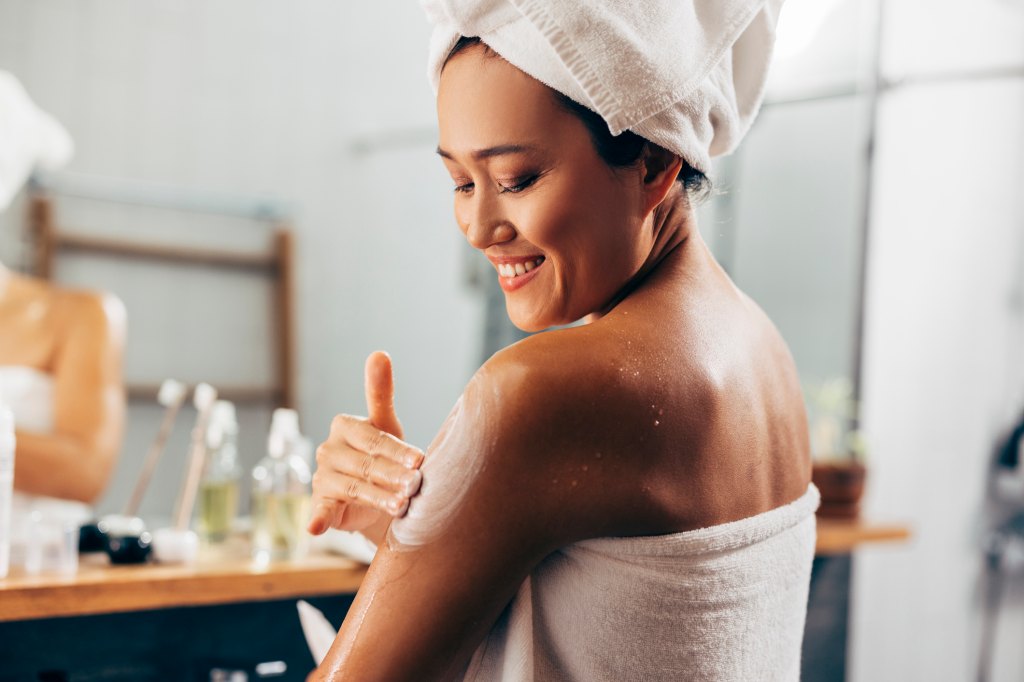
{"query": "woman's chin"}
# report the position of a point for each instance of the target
(528, 321)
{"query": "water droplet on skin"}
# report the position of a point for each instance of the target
(656, 422)
(585, 467)
(574, 484)
(661, 412)
(554, 480)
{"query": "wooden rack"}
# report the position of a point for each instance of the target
(277, 263)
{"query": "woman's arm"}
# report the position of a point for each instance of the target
(75, 461)
(513, 475)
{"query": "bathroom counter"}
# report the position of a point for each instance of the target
(231, 577)
(842, 536)
(100, 587)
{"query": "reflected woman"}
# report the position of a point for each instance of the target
(60, 372)
(625, 499)
(60, 350)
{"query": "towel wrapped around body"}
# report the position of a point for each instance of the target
(724, 603)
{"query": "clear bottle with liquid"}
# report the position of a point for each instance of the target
(219, 487)
(6, 485)
(281, 493)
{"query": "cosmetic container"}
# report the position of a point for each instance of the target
(218, 490)
(281, 493)
(6, 485)
(52, 545)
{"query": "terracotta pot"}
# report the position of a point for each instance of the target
(841, 485)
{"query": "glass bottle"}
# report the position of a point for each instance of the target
(219, 488)
(6, 485)
(281, 493)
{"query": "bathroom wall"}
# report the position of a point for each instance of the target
(320, 106)
(944, 344)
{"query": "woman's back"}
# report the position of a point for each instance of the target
(691, 388)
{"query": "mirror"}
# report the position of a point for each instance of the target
(211, 127)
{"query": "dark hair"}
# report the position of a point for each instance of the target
(618, 151)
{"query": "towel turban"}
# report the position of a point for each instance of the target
(688, 75)
(29, 139)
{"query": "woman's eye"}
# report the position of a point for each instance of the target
(522, 184)
(464, 188)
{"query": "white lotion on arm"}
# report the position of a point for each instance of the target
(452, 463)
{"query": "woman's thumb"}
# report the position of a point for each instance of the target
(380, 393)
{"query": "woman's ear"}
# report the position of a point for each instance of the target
(661, 168)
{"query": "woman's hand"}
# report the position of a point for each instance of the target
(365, 473)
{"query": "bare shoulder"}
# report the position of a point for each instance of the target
(673, 423)
(604, 421)
(96, 314)
(606, 376)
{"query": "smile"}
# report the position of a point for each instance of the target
(512, 270)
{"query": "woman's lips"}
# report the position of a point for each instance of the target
(514, 273)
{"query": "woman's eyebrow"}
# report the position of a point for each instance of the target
(487, 153)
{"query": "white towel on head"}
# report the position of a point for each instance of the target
(29, 138)
(688, 75)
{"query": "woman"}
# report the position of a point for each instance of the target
(60, 372)
(60, 350)
(626, 499)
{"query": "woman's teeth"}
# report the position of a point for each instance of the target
(510, 270)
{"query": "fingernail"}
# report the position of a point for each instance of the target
(411, 483)
(397, 507)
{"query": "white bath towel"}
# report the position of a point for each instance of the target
(688, 75)
(725, 603)
(29, 138)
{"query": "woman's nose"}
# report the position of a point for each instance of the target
(483, 222)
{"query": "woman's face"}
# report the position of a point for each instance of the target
(563, 230)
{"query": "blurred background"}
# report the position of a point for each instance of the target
(256, 181)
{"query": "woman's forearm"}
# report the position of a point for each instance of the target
(59, 466)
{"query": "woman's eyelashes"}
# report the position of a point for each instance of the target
(518, 185)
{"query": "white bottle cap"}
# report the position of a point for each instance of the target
(284, 429)
(223, 422)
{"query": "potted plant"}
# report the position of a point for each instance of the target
(838, 449)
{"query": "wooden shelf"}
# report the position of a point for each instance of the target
(99, 587)
(175, 254)
(840, 536)
(229, 576)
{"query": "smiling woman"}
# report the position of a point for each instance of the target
(625, 499)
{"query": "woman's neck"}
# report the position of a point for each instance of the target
(673, 224)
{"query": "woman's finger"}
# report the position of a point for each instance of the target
(325, 513)
(380, 393)
(376, 469)
(343, 488)
(365, 437)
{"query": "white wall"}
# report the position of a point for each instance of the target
(944, 345)
(260, 98)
